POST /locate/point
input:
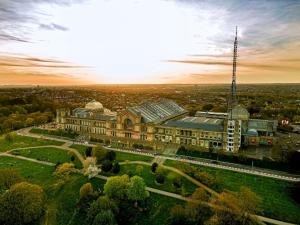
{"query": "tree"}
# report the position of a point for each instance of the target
(110, 155)
(139, 170)
(106, 166)
(86, 190)
(160, 178)
(87, 195)
(99, 152)
(29, 122)
(235, 208)
(21, 204)
(294, 160)
(90, 168)
(137, 189)
(178, 215)
(154, 167)
(296, 192)
(72, 158)
(116, 187)
(198, 210)
(88, 151)
(63, 170)
(9, 177)
(103, 203)
(105, 218)
(116, 167)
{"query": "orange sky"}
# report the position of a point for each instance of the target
(137, 41)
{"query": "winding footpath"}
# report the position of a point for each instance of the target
(68, 143)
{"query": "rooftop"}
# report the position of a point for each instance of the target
(202, 123)
(157, 111)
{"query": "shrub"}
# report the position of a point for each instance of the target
(88, 151)
(177, 182)
(181, 148)
(160, 179)
(111, 155)
(72, 158)
(106, 166)
(116, 167)
(296, 192)
(154, 167)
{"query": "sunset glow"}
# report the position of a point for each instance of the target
(140, 41)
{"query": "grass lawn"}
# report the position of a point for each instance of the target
(48, 154)
(80, 148)
(277, 202)
(33, 172)
(23, 142)
(62, 196)
(121, 156)
(149, 177)
(59, 133)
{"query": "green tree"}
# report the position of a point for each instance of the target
(198, 210)
(235, 208)
(87, 195)
(21, 204)
(103, 203)
(178, 216)
(139, 170)
(137, 189)
(106, 165)
(154, 167)
(110, 155)
(116, 167)
(116, 187)
(86, 190)
(99, 152)
(9, 177)
(63, 170)
(105, 217)
(29, 122)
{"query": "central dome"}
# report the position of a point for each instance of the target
(94, 105)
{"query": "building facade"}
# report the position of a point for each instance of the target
(163, 123)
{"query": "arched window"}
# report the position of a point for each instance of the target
(128, 124)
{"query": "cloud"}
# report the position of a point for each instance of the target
(34, 63)
(272, 66)
(53, 26)
(17, 17)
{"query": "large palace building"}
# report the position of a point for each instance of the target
(163, 123)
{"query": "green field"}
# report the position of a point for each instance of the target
(62, 196)
(23, 142)
(48, 154)
(58, 133)
(121, 156)
(149, 177)
(277, 202)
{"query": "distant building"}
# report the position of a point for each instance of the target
(162, 123)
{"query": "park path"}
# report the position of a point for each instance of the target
(62, 147)
(189, 178)
(153, 190)
(28, 159)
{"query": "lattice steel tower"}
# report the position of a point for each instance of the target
(232, 101)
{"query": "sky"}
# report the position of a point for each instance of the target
(70, 42)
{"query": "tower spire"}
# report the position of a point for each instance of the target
(232, 98)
